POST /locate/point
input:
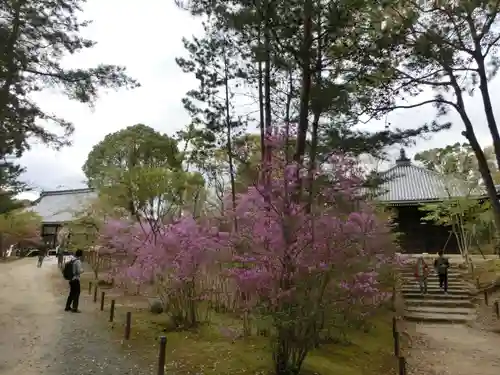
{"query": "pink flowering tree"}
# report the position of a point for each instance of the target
(307, 249)
(174, 258)
(307, 245)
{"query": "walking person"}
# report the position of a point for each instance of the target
(41, 255)
(72, 271)
(441, 265)
(60, 256)
(422, 273)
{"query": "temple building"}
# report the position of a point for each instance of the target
(407, 187)
(60, 207)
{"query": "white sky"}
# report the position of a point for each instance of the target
(145, 36)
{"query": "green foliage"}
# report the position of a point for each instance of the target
(456, 211)
(456, 160)
(214, 122)
(156, 191)
(19, 226)
(83, 232)
(466, 217)
(134, 167)
(10, 186)
(135, 146)
(34, 36)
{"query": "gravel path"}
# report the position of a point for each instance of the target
(439, 349)
(38, 338)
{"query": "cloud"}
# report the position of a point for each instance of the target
(146, 37)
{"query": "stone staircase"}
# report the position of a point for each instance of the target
(436, 306)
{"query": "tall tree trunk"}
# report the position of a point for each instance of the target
(484, 170)
(305, 92)
(267, 99)
(317, 109)
(260, 78)
(229, 146)
(267, 69)
(261, 113)
(288, 108)
(488, 108)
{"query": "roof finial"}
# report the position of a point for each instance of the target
(403, 160)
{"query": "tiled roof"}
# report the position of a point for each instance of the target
(63, 205)
(413, 183)
(406, 183)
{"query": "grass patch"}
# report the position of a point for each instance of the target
(218, 349)
(487, 272)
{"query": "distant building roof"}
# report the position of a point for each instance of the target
(63, 205)
(408, 183)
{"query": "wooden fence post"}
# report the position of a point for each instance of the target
(402, 365)
(497, 309)
(112, 311)
(90, 288)
(396, 345)
(102, 300)
(161, 355)
(486, 297)
(393, 298)
(128, 322)
(95, 293)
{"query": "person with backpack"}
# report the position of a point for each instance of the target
(71, 272)
(441, 265)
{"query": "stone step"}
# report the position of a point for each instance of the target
(430, 264)
(412, 279)
(438, 318)
(432, 280)
(440, 296)
(434, 290)
(436, 285)
(432, 271)
(441, 310)
(439, 302)
(435, 281)
(411, 274)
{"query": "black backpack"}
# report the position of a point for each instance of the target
(67, 272)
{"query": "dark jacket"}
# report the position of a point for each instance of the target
(441, 265)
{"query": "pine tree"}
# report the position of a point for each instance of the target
(319, 65)
(214, 120)
(34, 37)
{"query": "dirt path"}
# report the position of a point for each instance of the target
(38, 338)
(439, 349)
